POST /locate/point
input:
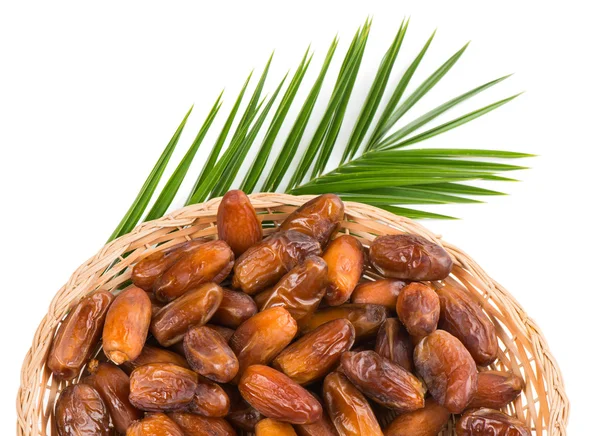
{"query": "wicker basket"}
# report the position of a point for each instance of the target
(523, 349)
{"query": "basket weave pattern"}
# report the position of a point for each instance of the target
(543, 405)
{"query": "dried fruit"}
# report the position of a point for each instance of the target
(236, 307)
(81, 411)
(152, 354)
(319, 218)
(209, 355)
(484, 422)
(237, 222)
(266, 262)
(316, 353)
(113, 386)
(211, 262)
(448, 370)
(277, 396)
(348, 409)
(418, 308)
(150, 268)
(428, 421)
(496, 389)
(195, 425)
(262, 337)
(366, 318)
(383, 381)
(126, 325)
(243, 416)
(78, 335)
(160, 387)
(345, 262)
(225, 332)
(393, 343)
(299, 291)
(209, 400)
(270, 427)
(409, 257)
(461, 316)
(157, 424)
(322, 427)
(384, 292)
(195, 307)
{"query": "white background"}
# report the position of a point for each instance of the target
(91, 93)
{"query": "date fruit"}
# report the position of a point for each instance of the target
(322, 427)
(319, 218)
(384, 292)
(195, 425)
(462, 317)
(484, 422)
(409, 257)
(243, 416)
(152, 354)
(209, 400)
(237, 222)
(236, 307)
(209, 355)
(195, 307)
(345, 263)
(262, 337)
(496, 389)
(271, 427)
(81, 411)
(366, 318)
(448, 370)
(225, 332)
(383, 381)
(160, 387)
(393, 343)
(348, 409)
(211, 262)
(126, 325)
(78, 335)
(300, 291)
(418, 307)
(277, 396)
(157, 424)
(313, 355)
(266, 262)
(428, 421)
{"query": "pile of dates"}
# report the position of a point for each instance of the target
(283, 335)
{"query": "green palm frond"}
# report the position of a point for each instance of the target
(379, 163)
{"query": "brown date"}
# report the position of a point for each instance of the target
(345, 263)
(300, 291)
(237, 222)
(366, 318)
(393, 343)
(150, 268)
(159, 387)
(383, 381)
(348, 409)
(195, 425)
(384, 292)
(262, 337)
(126, 325)
(156, 424)
(225, 332)
(152, 354)
(448, 370)
(156, 305)
(428, 421)
(313, 355)
(277, 396)
(78, 335)
(418, 307)
(322, 427)
(81, 411)
(243, 416)
(211, 262)
(409, 257)
(266, 262)
(113, 386)
(461, 316)
(496, 389)
(209, 400)
(236, 307)
(209, 355)
(195, 307)
(319, 218)
(271, 427)
(484, 422)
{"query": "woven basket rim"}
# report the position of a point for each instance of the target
(37, 390)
